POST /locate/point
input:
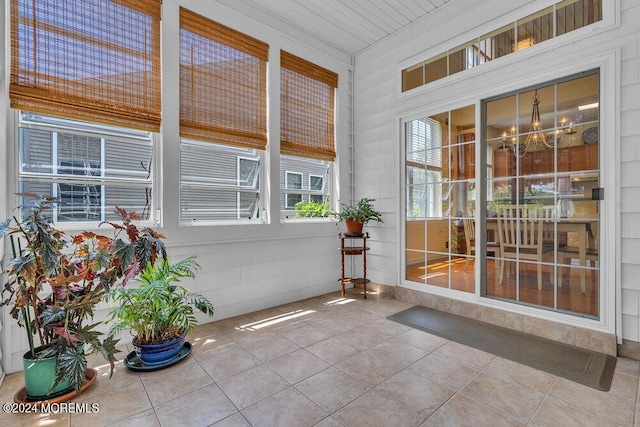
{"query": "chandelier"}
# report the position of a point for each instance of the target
(537, 138)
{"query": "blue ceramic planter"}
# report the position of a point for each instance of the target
(157, 354)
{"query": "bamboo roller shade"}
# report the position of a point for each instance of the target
(306, 109)
(223, 96)
(97, 61)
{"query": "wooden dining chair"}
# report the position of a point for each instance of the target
(567, 253)
(470, 237)
(520, 237)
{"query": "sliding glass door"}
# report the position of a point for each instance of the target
(542, 207)
(526, 214)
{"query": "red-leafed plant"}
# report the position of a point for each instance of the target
(54, 283)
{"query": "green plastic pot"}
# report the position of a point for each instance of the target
(39, 376)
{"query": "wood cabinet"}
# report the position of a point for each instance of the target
(570, 159)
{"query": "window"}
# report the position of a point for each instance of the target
(90, 168)
(85, 79)
(222, 120)
(316, 184)
(439, 192)
(307, 132)
(218, 182)
(293, 182)
(310, 178)
(567, 15)
(423, 167)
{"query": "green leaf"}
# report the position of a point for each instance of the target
(70, 365)
(52, 315)
(4, 226)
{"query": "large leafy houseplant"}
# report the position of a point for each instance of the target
(358, 214)
(54, 283)
(158, 310)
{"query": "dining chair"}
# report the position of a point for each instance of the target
(567, 253)
(520, 237)
(470, 237)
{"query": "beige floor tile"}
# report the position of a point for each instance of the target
(514, 401)
(420, 339)
(233, 323)
(628, 366)
(247, 336)
(361, 317)
(204, 348)
(370, 368)
(600, 404)
(465, 355)
(235, 420)
(624, 385)
(520, 375)
(271, 348)
(401, 353)
(416, 393)
(143, 419)
(554, 414)
(229, 363)
(295, 367)
(442, 371)
(334, 325)
(386, 307)
(329, 422)
(375, 409)
(364, 338)
(249, 387)
(176, 381)
(387, 328)
(305, 335)
(199, 408)
(31, 420)
(332, 388)
(286, 408)
(335, 349)
(121, 377)
(12, 383)
(461, 411)
(114, 405)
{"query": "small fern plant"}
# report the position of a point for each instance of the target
(158, 310)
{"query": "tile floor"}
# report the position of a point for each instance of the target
(328, 361)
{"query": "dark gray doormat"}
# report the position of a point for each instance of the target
(586, 367)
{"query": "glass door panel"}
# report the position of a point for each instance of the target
(542, 208)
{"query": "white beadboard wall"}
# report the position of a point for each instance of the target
(244, 267)
(378, 110)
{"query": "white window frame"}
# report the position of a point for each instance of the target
(55, 125)
(233, 177)
(286, 186)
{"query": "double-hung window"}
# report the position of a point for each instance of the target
(423, 168)
(307, 131)
(223, 126)
(85, 81)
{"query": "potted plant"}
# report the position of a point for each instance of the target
(159, 312)
(357, 215)
(54, 284)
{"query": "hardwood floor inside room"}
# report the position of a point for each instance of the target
(445, 274)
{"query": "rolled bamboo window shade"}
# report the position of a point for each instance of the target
(306, 109)
(223, 84)
(93, 60)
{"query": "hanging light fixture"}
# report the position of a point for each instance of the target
(537, 139)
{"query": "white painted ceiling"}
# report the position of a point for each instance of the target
(348, 25)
